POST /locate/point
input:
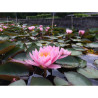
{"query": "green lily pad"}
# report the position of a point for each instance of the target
(53, 37)
(21, 56)
(40, 81)
(60, 82)
(5, 47)
(18, 83)
(74, 52)
(68, 62)
(92, 45)
(88, 72)
(79, 44)
(60, 41)
(32, 47)
(78, 40)
(12, 52)
(79, 48)
(4, 37)
(82, 63)
(77, 79)
(13, 69)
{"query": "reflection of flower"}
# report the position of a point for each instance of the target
(68, 31)
(46, 56)
(81, 32)
(1, 29)
(31, 28)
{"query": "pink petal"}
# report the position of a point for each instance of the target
(29, 62)
(54, 66)
(18, 61)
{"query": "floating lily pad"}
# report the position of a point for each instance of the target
(53, 37)
(39, 44)
(92, 45)
(79, 44)
(88, 72)
(78, 40)
(79, 48)
(74, 52)
(82, 63)
(68, 62)
(13, 52)
(85, 41)
(40, 81)
(13, 69)
(21, 56)
(5, 47)
(60, 41)
(60, 82)
(18, 83)
(32, 48)
(77, 79)
(4, 37)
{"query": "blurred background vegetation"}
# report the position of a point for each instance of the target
(45, 15)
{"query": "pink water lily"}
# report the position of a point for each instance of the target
(46, 56)
(23, 26)
(12, 24)
(1, 29)
(5, 27)
(40, 28)
(81, 32)
(31, 28)
(47, 28)
(68, 31)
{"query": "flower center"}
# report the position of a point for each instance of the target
(44, 54)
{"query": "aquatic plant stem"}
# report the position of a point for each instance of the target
(45, 73)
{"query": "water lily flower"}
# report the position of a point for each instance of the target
(5, 27)
(1, 24)
(1, 29)
(46, 56)
(47, 27)
(41, 29)
(12, 24)
(68, 31)
(31, 28)
(46, 30)
(41, 26)
(81, 32)
(23, 26)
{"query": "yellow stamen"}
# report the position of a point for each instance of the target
(44, 54)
